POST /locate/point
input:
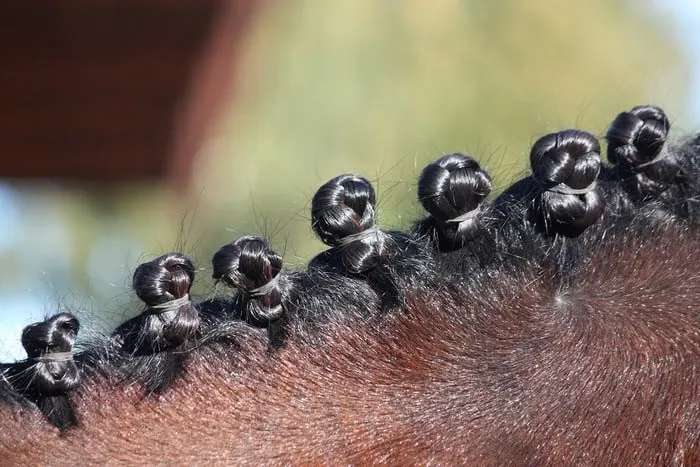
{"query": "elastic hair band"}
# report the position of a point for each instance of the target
(264, 289)
(565, 189)
(660, 156)
(54, 357)
(275, 310)
(465, 216)
(172, 305)
(356, 237)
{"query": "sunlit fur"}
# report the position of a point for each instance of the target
(543, 339)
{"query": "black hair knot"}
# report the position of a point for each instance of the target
(251, 266)
(49, 372)
(343, 215)
(453, 190)
(638, 137)
(566, 166)
(170, 318)
(49, 344)
(637, 145)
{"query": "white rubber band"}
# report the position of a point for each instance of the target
(359, 236)
(465, 216)
(660, 156)
(54, 357)
(265, 288)
(565, 189)
(172, 305)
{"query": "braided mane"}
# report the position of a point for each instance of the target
(555, 324)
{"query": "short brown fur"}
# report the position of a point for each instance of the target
(512, 372)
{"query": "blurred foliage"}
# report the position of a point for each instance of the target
(374, 87)
(383, 87)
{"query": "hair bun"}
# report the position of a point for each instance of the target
(569, 157)
(637, 145)
(164, 279)
(50, 344)
(251, 266)
(164, 285)
(637, 137)
(343, 215)
(566, 165)
(452, 190)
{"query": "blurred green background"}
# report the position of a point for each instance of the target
(374, 87)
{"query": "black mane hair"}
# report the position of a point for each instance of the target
(544, 216)
(151, 347)
(510, 331)
(169, 318)
(649, 172)
(461, 226)
(643, 160)
(343, 215)
(49, 372)
(249, 265)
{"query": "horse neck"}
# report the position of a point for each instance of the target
(473, 370)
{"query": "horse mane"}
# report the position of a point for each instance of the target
(556, 324)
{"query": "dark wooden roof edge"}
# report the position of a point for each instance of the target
(112, 91)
